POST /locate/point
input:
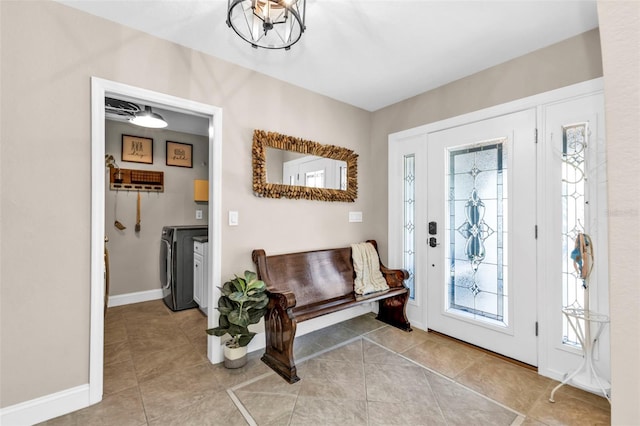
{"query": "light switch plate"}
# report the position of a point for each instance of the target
(355, 216)
(233, 218)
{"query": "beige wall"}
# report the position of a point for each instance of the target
(620, 23)
(571, 61)
(133, 256)
(49, 52)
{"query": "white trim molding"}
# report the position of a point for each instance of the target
(47, 407)
(137, 297)
(99, 89)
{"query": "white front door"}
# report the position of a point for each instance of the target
(481, 210)
(419, 172)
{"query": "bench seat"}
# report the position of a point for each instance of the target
(303, 313)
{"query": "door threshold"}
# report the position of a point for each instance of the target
(487, 351)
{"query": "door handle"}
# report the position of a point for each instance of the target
(433, 242)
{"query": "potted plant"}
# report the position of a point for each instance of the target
(243, 302)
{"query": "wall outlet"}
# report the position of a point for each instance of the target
(198, 214)
(355, 216)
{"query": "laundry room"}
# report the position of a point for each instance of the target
(155, 178)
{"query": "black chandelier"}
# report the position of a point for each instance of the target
(270, 24)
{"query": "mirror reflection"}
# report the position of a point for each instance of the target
(294, 168)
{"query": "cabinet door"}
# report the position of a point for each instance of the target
(198, 278)
(204, 287)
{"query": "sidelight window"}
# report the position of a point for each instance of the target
(574, 185)
(409, 247)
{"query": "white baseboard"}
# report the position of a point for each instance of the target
(259, 342)
(334, 318)
(137, 297)
(46, 407)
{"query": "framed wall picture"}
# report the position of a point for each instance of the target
(179, 154)
(137, 150)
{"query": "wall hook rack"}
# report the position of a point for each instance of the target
(136, 180)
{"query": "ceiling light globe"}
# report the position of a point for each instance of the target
(149, 119)
(268, 24)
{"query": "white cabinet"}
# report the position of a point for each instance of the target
(200, 274)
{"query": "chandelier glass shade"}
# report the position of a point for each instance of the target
(269, 24)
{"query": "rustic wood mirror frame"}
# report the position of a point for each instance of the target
(263, 140)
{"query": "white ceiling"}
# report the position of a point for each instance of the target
(367, 53)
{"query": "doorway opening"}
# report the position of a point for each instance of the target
(101, 89)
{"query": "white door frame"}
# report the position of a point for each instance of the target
(395, 219)
(99, 89)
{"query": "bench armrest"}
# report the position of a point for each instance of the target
(285, 300)
(394, 277)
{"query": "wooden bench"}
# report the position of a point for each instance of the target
(306, 285)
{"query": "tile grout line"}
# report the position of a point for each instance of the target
(144, 409)
(370, 331)
(364, 375)
(329, 349)
(135, 374)
(468, 367)
(449, 379)
(293, 410)
(518, 421)
(437, 400)
(248, 382)
(243, 411)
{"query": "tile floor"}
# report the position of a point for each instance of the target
(156, 373)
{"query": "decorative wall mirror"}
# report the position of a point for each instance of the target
(290, 167)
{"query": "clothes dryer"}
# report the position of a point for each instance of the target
(176, 265)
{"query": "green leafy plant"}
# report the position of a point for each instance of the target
(243, 302)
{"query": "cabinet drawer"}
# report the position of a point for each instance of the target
(198, 247)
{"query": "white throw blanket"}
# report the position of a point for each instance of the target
(366, 264)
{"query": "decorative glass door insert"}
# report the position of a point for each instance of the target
(476, 231)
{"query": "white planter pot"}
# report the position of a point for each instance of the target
(235, 357)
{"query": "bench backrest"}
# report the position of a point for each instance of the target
(313, 276)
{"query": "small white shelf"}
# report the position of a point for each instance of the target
(583, 322)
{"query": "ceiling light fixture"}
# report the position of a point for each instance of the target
(147, 118)
(270, 24)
